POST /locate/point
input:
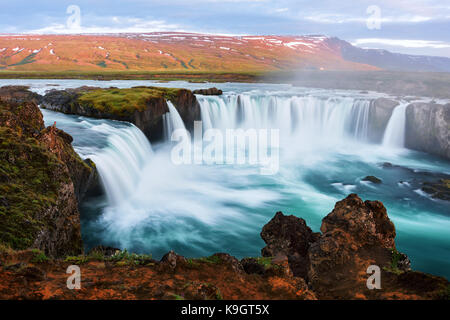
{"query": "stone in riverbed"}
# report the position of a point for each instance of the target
(372, 179)
(438, 190)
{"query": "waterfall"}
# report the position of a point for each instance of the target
(394, 136)
(172, 121)
(305, 117)
(120, 163)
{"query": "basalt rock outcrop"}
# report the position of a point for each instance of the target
(428, 128)
(18, 94)
(355, 235)
(209, 92)
(291, 237)
(42, 180)
(142, 106)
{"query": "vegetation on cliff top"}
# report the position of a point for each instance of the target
(124, 101)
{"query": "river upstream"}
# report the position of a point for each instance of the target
(153, 205)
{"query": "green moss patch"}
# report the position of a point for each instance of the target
(28, 185)
(121, 258)
(124, 101)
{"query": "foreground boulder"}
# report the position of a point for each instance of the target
(289, 236)
(355, 235)
(42, 180)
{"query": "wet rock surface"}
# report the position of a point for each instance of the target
(427, 128)
(372, 179)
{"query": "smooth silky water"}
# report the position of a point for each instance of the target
(152, 205)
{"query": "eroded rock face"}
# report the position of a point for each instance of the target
(41, 183)
(428, 128)
(289, 236)
(83, 174)
(355, 235)
(380, 112)
(18, 94)
(171, 260)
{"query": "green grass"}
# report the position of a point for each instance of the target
(122, 258)
(28, 185)
(30, 176)
(395, 258)
(26, 60)
(135, 75)
(102, 64)
(39, 256)
(76, 260)
(211, 260)
(124, 101)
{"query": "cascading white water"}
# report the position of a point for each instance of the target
(172, 121)
(394, 136)
(301, 117)
(121, 162)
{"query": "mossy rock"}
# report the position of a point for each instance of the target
(123, 102)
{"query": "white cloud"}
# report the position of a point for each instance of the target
(118, 25)
(403, 43)
(281, 10)
(337, 18)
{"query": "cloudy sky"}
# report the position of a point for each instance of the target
(407, 26)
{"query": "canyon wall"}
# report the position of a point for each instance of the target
(42, 180)
(428, 128)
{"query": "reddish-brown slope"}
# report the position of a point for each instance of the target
(162, 52)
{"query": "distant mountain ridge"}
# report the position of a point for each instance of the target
(191, 52)
(387, 60)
